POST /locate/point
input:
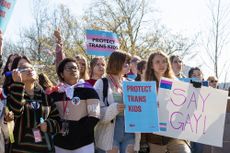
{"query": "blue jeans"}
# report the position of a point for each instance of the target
(99, 151)
(122, 140)
(197, 147)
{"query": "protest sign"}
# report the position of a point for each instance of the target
(6, 9)
(141, 114)
(195, 114)
(101, 43)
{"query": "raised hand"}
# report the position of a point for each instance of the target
(57, 34)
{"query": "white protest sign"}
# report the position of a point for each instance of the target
(195, 114)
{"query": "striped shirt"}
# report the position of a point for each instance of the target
(27, 112)
(83, 115)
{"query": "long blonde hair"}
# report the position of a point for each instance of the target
(149, 73)
(93, 63)
(83, 75)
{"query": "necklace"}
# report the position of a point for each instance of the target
(115, 84)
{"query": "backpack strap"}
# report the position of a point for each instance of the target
(105, 91)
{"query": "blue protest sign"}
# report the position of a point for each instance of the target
(141, 109)
(6, 9)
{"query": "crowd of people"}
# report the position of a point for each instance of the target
(84, 111)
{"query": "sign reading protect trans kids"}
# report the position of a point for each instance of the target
(141, 113)
(101, 43)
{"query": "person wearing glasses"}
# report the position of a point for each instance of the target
(213, 82)
(59, 56)
(79, 110)
(35, 117)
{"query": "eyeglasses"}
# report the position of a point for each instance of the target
(212, 81)
(24, 69)
(71, 68)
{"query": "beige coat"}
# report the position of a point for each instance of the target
(104, 130)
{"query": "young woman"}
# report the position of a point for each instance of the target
(132, 74)
(195, 72)
(9, 62)
(33, 121)
(97, 69)
(7, 68)
(177, 66)
(78, 104)
(83, 67)
(110, 134)
(141, 66)
(158, 66)
(6, 116)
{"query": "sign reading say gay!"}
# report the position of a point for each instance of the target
(195, 114)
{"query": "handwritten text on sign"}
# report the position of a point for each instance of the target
(191, 113)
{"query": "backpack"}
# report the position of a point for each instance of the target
(105, 91)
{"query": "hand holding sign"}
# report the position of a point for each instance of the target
(120, 107)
